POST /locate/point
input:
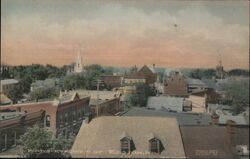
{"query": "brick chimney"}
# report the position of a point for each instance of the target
(231, 130)
(215, 119)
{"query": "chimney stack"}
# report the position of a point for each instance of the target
(231, 130)
(215, 119)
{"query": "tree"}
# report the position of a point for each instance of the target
(238, 92)
(39, 142)
(43, 93)
(15, 93)
(143, 91)
(239, 72)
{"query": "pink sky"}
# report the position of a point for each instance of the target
(116, 34)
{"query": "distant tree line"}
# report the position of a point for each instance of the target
(30, 73)
(210, 73)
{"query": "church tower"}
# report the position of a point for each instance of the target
(78, 65)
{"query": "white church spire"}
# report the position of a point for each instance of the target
(79, 63)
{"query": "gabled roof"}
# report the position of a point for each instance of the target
(151, 68)
(101, 137)
(125, 135)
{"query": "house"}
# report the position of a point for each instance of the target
(229, 142)
(15, 124)
(195, 85)
(102, 102)
(129, 137)
(7, 85)
(176, 104)
(198, 103)
(146, 72)
(133, 80)
(175, 85)
(188, 119)
(63, 115)
(112, 81)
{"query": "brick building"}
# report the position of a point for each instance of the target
(15, 124)
(176, 85)
(107, 107)
(111, 81)
(64, 115)
(146, 72)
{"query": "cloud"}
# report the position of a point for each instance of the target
(128, 36)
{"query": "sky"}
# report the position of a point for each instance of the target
(182, 34)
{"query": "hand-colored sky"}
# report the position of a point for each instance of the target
(125, 33)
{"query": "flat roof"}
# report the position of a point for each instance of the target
(182, 118)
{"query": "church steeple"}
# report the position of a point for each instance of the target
(79, 64)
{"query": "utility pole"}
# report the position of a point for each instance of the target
(97, 104)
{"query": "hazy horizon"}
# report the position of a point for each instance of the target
(178, 34)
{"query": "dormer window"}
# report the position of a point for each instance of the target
(155, 145)
(127, 145)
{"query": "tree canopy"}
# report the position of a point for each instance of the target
(39, 142)
(238, 92)
(143, 91)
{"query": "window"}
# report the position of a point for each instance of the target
(155, 146)
(3, 142)
(125, 145)
(66, 118)
(47, 120)
(74, 115)
(13, 139)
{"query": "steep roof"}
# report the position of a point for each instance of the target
(206, 142)
(182, 118)
(101, 137)
(164, 102)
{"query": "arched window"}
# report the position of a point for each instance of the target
(155, 145)
(127, 144)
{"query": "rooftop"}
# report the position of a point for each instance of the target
(93, 94)
(101, 137)
(206, 142)
(182, 118)
(164, 102)
(240, 120)
(8, 81)
(192, 81)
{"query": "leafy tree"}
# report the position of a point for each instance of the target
(43, 93)
(15, 93)
(202, 73)
(143, 91)
(238, 72)
(39, 142)
(238, 92)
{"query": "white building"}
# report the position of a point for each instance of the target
(79, 63)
